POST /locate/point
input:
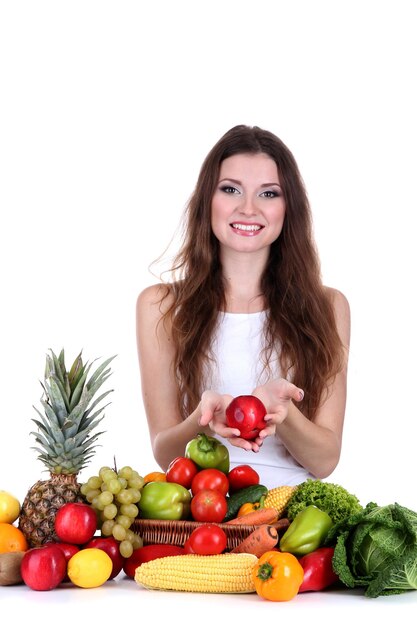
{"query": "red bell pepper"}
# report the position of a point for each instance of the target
(318, 570)
(148, 553)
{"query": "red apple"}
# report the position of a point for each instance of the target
(247, 414)
(69, 549)
(75, 522)
(43, 568)
(111, 547)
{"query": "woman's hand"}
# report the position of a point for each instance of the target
(213, 414)
(277, 396)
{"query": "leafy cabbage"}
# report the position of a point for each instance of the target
(377, 549)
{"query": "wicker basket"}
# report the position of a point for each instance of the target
(177, 532)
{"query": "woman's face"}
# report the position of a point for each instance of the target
(248, 208)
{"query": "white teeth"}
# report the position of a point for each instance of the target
(250, 227)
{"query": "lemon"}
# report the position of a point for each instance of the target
(89, 567)
(9, 507)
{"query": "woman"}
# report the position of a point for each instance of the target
(246, 313)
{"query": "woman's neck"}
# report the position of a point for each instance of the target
(244, 305)
(242, 276)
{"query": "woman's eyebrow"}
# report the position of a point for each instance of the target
(271, 185)
(230, 180)
(238, 182)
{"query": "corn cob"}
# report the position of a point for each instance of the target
(219, 573)
(278, 498)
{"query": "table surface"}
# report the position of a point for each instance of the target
(123, 602)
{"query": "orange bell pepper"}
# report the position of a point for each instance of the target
(248, 507)
(154, 476)
(277, 576)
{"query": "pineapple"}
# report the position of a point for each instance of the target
(65, 440)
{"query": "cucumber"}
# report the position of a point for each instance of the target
(248, 494)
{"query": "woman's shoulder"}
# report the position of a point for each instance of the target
(341, 311)
(153, 293)
(337, 298)
(156, 298)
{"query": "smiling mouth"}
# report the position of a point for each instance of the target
(246, 227)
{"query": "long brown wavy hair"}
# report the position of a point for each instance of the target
(300, 319)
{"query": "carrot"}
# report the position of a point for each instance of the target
(255, 518)
(260, 540)
(281, 524)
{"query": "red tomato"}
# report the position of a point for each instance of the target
(242, 476)
(208, 539)
(181, 471)
(208, 506)
(246, 413)
(210, 479)
(187, 547)
(148, 553)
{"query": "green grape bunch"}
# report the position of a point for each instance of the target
(114, 495)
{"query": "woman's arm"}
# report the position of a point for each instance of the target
(169, 433)
(315, 444)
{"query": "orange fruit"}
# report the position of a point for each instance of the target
(12, 539)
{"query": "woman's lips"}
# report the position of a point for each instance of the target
(246, 230)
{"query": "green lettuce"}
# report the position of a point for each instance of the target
(332, 498)
(377, 549)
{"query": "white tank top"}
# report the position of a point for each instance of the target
(237, 348)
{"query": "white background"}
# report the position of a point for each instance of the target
(107, 110)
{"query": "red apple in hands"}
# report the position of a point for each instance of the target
(246, 413)
(111, 547)
(75, 522)
(43, 568)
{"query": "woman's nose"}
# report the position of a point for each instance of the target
(248, 206)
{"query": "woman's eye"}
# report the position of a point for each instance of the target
(229, 189)
(270, 194)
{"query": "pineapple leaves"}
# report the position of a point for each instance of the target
(95, 381)
(61, 360)
(74, 418)
(77, 418)
(51, 428)
(83, 437)
(92, 422)
(78, 389)
(64, 429)
(55, 365)
(41, 440)
(98, 372)
(76, 372)
(57, 368)
(84, 420)
(49, 416)
(57, 397)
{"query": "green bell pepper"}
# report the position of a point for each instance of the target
(306, 532)
(163, 500)
(208, 452)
